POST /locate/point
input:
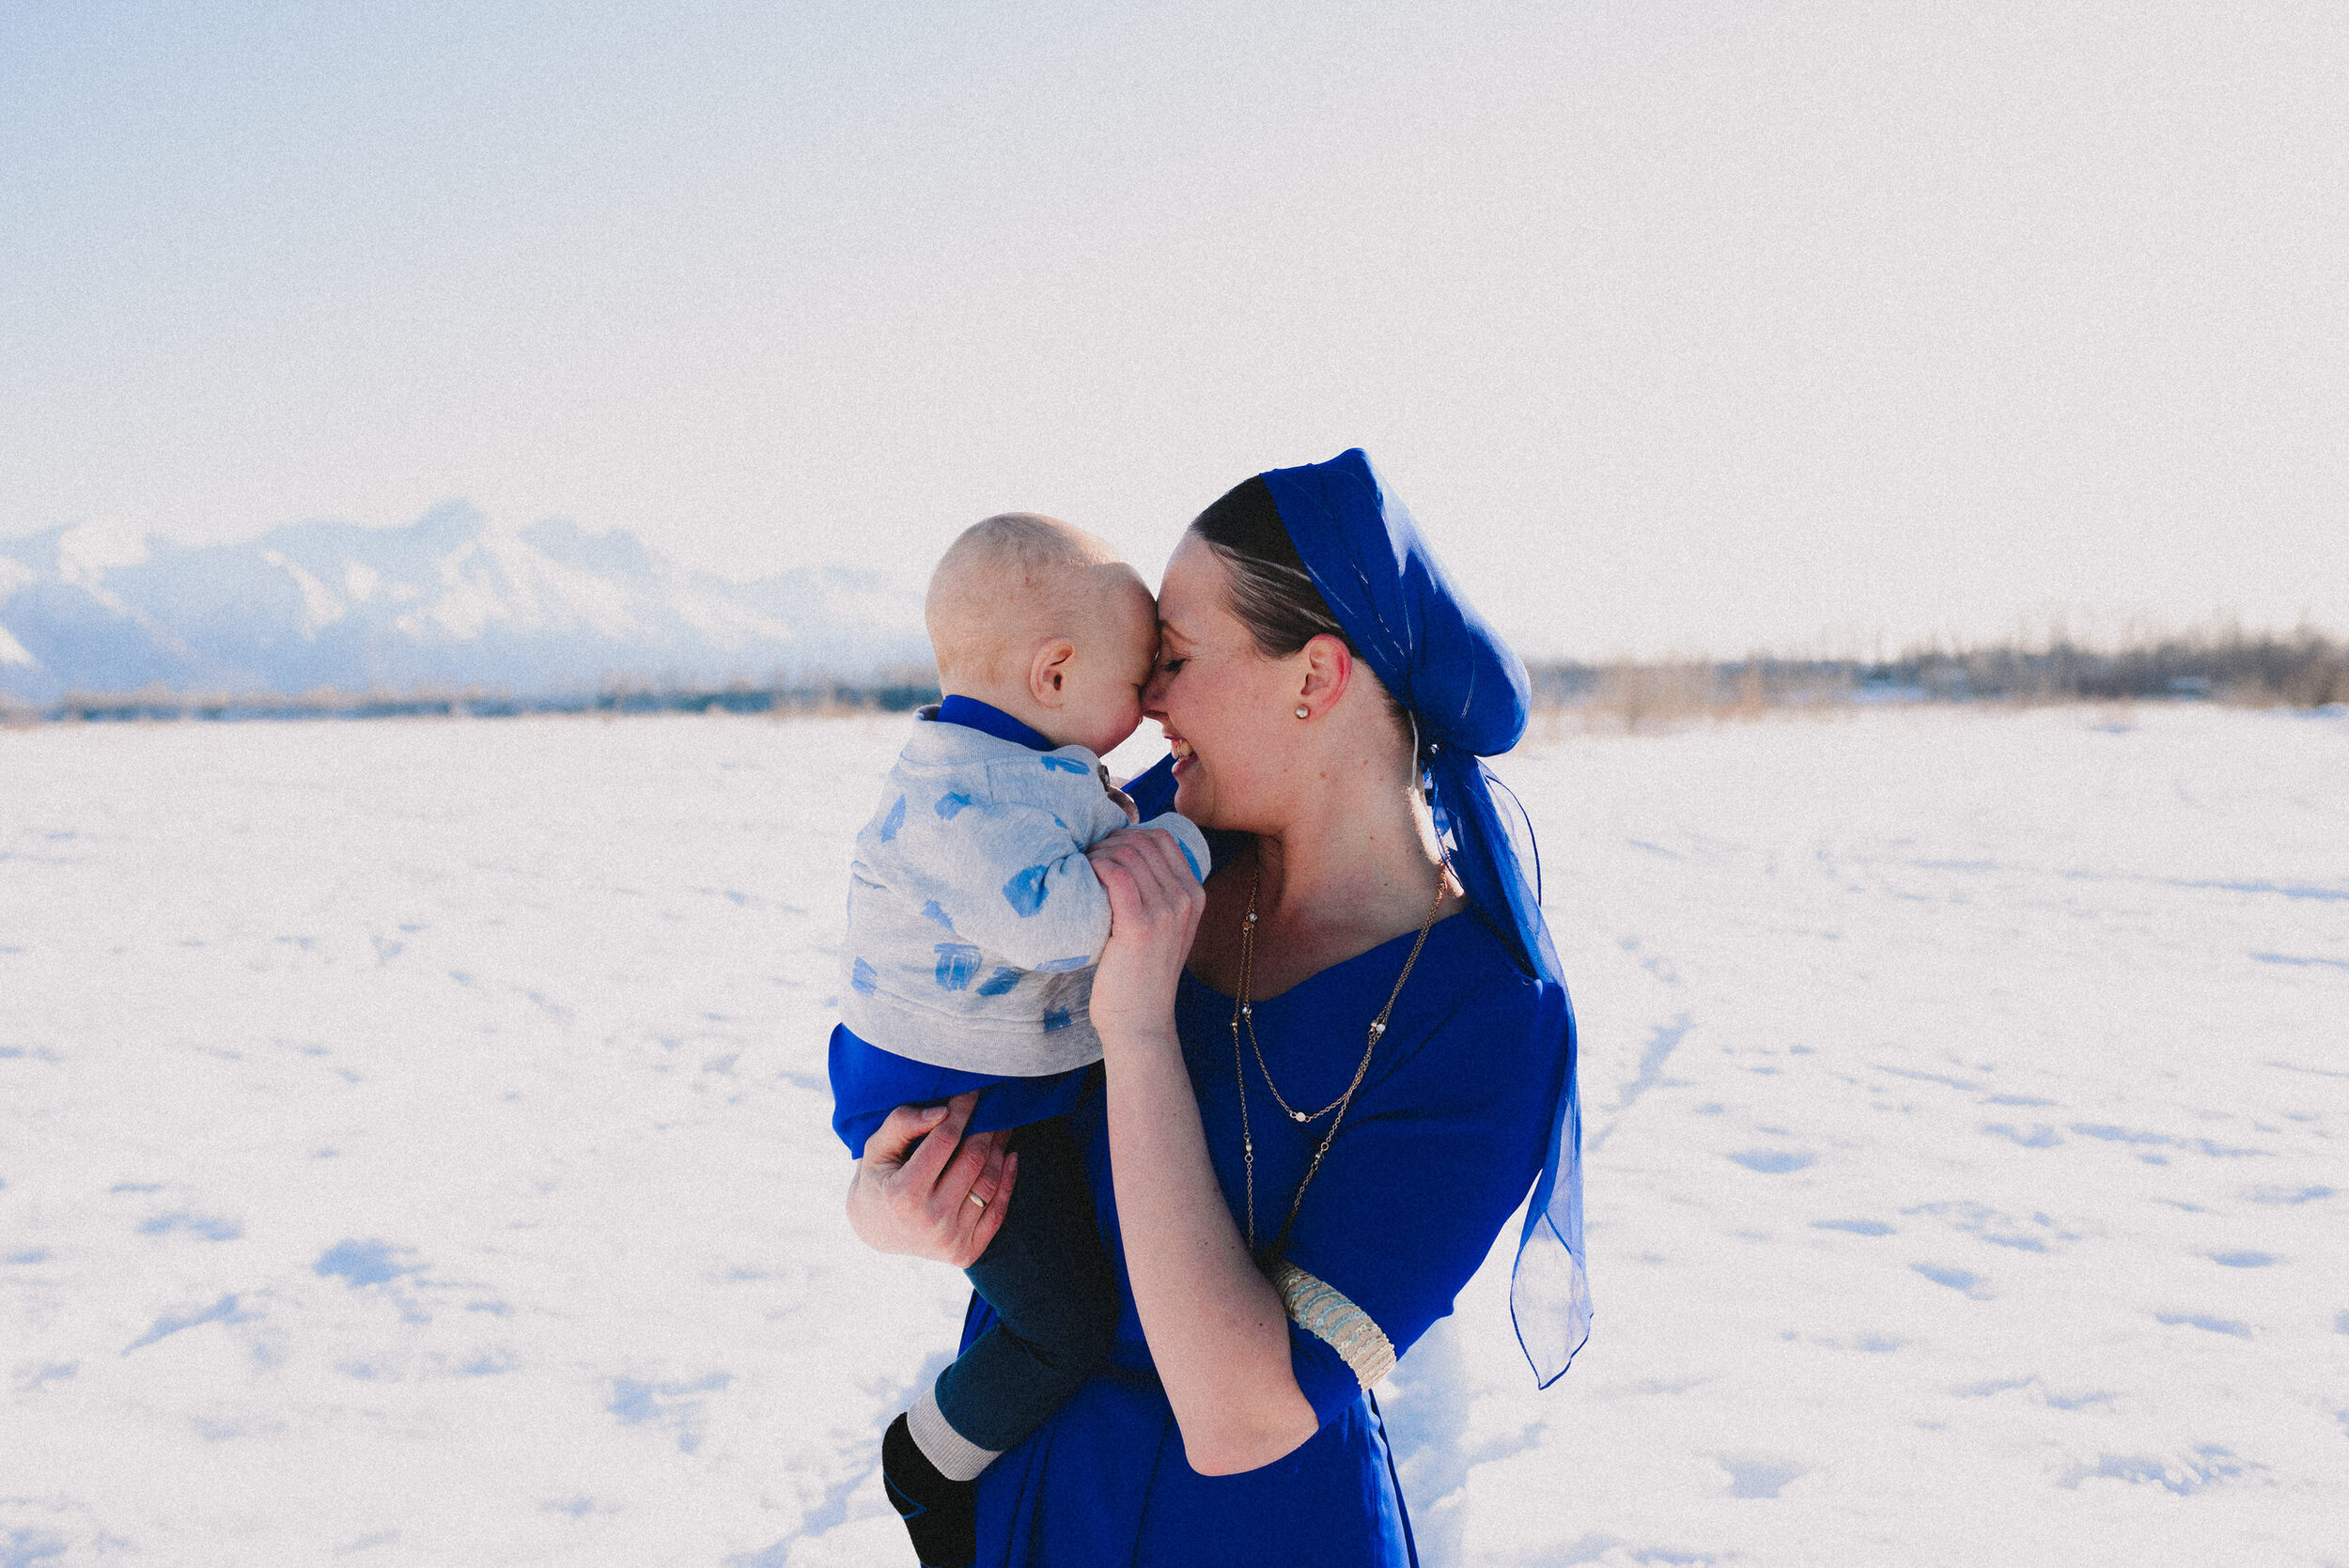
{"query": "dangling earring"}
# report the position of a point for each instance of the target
(1305, 713)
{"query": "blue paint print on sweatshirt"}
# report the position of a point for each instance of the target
(1055, 1018)
(957, 963)
(932, 912)
(1062, 966)
(895, 820)
(1026, 892)
(864, 977)
(996, 984)
(1062, 765)
(1189, 859)
(950, 804)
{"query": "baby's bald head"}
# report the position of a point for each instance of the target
(1006, 581)
(1043, 621)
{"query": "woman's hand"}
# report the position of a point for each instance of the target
(1155, 903)
(913, 1188)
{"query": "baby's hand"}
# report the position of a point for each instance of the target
(1154, 912)
(1125, 801)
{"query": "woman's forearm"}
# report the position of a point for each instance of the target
(1217, 1329)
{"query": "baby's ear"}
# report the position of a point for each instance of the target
(1048, 671)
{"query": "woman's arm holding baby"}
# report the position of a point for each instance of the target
(912, 1188)
(1218, 1332)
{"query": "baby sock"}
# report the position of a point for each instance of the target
(956, 1455)
(939, 1509)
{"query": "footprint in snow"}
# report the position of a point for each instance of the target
(1963, 1280)
(1774, 1162)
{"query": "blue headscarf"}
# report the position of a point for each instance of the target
(1468, 695)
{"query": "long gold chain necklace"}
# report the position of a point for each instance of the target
(1244, 1012)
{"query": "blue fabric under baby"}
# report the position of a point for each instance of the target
(867, 1082)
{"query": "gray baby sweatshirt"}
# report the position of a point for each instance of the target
(975, 919)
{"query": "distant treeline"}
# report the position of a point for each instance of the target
(2305, 669)
(888, 693)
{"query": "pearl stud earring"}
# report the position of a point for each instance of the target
(1305, 713)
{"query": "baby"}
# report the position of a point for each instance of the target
(974, 924)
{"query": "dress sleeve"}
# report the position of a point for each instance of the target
(1152, 790)
(1417, 1186)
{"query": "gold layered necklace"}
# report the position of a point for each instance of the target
(1244, 1013)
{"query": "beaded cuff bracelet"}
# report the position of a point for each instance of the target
(1324, 1312)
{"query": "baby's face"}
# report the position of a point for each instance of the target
(1102, 702)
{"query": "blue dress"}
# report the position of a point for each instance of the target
(1444, 1138)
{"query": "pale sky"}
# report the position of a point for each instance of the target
(1683, 325)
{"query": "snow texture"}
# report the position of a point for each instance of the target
(413, 1149)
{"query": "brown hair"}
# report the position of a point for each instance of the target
(1271, 592)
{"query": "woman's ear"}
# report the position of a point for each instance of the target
(1048, 671)
(1329, 670)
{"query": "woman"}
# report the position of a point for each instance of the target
(1329, 1077)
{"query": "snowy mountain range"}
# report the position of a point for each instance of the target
(449, 600)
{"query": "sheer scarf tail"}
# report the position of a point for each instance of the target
(1489, 841)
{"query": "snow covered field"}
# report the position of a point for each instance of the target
(413, 1149)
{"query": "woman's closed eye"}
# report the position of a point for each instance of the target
(1169, 666)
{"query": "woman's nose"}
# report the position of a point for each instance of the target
(1154, 696)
